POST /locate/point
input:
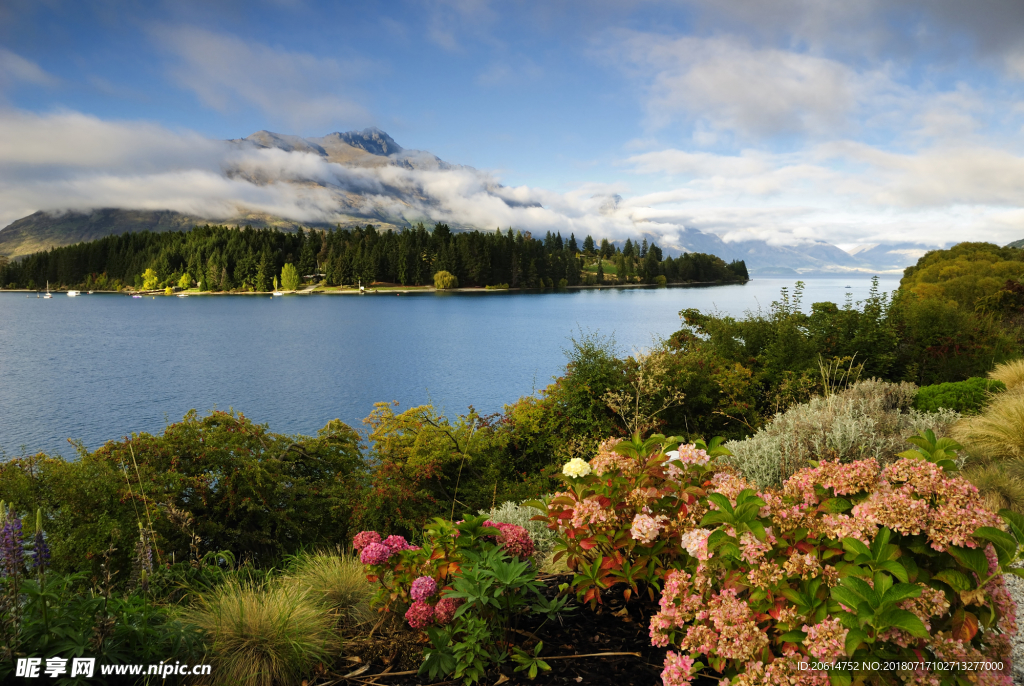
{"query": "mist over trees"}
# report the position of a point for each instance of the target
(217, 258)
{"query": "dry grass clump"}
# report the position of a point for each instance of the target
(337, 582)
(870, 419)
(998, 432)
(994, 441)
(1010, 373)
(263, 635)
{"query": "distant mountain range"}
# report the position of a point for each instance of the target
(389, 206)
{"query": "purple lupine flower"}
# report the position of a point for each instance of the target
(12, 552)
(40, 553)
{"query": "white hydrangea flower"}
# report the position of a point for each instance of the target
(576, 468)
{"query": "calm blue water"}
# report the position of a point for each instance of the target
(98, 367)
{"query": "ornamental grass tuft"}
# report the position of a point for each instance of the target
(1010, 373)
(335, 581)
(264, 635)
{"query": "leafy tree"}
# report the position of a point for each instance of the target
(444, 280)
(289, 277)
(150, 280)
(185, 282)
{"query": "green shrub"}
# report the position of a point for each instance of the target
(868, 420)
(965, 397)
(660, 281)
(445, 280)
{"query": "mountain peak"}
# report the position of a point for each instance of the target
(372, 140)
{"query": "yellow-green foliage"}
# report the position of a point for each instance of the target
(964, 273)
(264, 635)
(444, 280)
(289, 277)
(999, 489)
(150, 280)
(338, 582)
(1010, 373)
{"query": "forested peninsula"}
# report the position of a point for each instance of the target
(223, 259)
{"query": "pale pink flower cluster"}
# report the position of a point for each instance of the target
(678, 460)
(607, 460)
(733, 632)
(728, 485)
(915, 496)
(804, 566)
(949, 649)
(826, 640)
(646, 528)
(752, 550)
(375, 554)
(591, 512)
(677, 669)
(695, 542)
(679, 604)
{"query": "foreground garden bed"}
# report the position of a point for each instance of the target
(609, 646)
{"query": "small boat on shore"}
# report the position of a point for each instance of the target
(277, 293)
(137, 296)
(47, 294)
(74, 294)
(182, 295)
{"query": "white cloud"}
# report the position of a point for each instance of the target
(724, 84)
(296, 90)
(15, 69)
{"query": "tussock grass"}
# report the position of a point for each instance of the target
(999, 487)
(263, 635)
(1010, 373)
(337, 582)
(998, 432)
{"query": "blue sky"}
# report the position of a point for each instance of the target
(788, 120)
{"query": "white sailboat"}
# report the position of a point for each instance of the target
(47, 294)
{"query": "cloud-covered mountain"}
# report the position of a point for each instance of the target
(158, 180)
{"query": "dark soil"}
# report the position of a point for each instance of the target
(609, 646)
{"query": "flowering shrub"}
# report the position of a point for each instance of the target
(623, 520)
(465, 587)
(846, 561)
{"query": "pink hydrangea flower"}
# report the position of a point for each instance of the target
(646, 528)
(397, 543)
(375, 554)
(514, 539)
(420, 614)
(365, 538)
(444, 611)
(422, 588)
(677, 669)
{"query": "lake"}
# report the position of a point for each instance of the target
(99, 367)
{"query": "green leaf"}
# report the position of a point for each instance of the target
(855, 546)
(836, 505)
(861, 588)
(844, 596)
(1005, 545)
(793, 637)
(854, 638)
(972, 558)
(955, 579)
(1016, 522)
(894, 568)
(838, 678)
(907, 621)
(723, 503)
(901, 592)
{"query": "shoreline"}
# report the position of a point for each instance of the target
(385, 290)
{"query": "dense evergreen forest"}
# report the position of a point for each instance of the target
(217, 258)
